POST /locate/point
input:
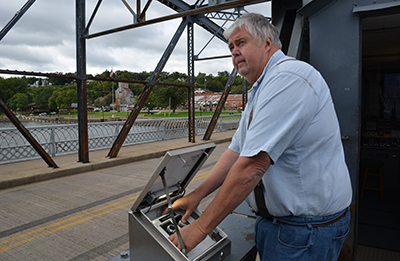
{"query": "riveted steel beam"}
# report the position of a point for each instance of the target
(192, 12)
(220, 105)
(190, 64)
(74, 76)
(145, 94)
(83, 150)
(223, 16)
(45, 156)
(92, 16)
(244, 93)
(15, 18)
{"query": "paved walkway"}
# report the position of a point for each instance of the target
(16, 174)
(26, 172)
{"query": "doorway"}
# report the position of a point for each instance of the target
(379, 177)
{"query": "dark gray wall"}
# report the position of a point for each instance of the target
(335, 50)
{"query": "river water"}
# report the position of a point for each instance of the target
(27, 124)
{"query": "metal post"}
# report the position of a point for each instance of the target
(191, 109)
(163, 129)
(112, 98)
(52, 143)
(220, 105)
(244, 93)
(83, 152)
(205, 92)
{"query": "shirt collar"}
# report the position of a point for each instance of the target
(275, 58)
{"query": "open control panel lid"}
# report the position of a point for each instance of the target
(179, 167)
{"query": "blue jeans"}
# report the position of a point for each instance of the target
(284, 242)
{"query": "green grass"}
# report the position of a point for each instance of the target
(153, 114)
(143, 114)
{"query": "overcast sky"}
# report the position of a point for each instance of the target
(43, 40)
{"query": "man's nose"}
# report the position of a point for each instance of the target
(235, 51)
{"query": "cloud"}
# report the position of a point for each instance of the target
(44, 39)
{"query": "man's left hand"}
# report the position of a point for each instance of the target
(191, 235)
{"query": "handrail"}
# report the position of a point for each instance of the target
(62, 139)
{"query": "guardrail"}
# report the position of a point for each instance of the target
(62, 139)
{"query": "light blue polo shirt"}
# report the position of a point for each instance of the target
(295, 122)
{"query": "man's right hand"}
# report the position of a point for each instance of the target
(188, 203)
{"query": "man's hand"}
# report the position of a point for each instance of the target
(191, 235)
(188, 203)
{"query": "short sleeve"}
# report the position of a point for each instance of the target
(283, 107)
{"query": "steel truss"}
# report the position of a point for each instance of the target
(143, 97)
(190, 65)
(199, 13)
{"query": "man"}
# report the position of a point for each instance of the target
(289, 139)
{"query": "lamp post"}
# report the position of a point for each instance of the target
(112, 98)
(169, 107)
(205, 92)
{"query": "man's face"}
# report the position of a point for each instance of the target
(249, 55)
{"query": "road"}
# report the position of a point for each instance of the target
(80, 217)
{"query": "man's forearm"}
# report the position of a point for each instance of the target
(218, 174)
(239, 183)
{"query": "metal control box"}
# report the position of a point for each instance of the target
(149, 229)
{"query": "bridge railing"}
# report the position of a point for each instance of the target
(62, 139)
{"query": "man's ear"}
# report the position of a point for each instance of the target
(268, 43)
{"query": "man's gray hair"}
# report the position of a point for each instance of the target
(258, 26)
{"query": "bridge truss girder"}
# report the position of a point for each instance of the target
(198, 13)
(199, 18)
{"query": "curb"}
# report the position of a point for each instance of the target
(78, 168)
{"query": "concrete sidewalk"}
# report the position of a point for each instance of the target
(26, 172)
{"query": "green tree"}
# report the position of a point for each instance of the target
(178, 76)
(52, 104)
(97, 103)
(215, 84)
(11, 86)
(69, 96)
(41, 97)
(237, 89)
(18, 101)
(30, 80)
(137, 88)
(62, 99)
(108, 100)
(103, 102)
(142, 76)
(170, 95)
(152, 101)
(94, 91)
(125, 75)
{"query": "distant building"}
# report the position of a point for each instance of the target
(233, 101)
(124, 96)
(44, 82)
(74, 106)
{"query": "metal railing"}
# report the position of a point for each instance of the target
(62, 139)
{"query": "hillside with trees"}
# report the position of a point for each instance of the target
(21, 93)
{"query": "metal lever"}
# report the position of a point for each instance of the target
(171, 212)
(184, 161)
